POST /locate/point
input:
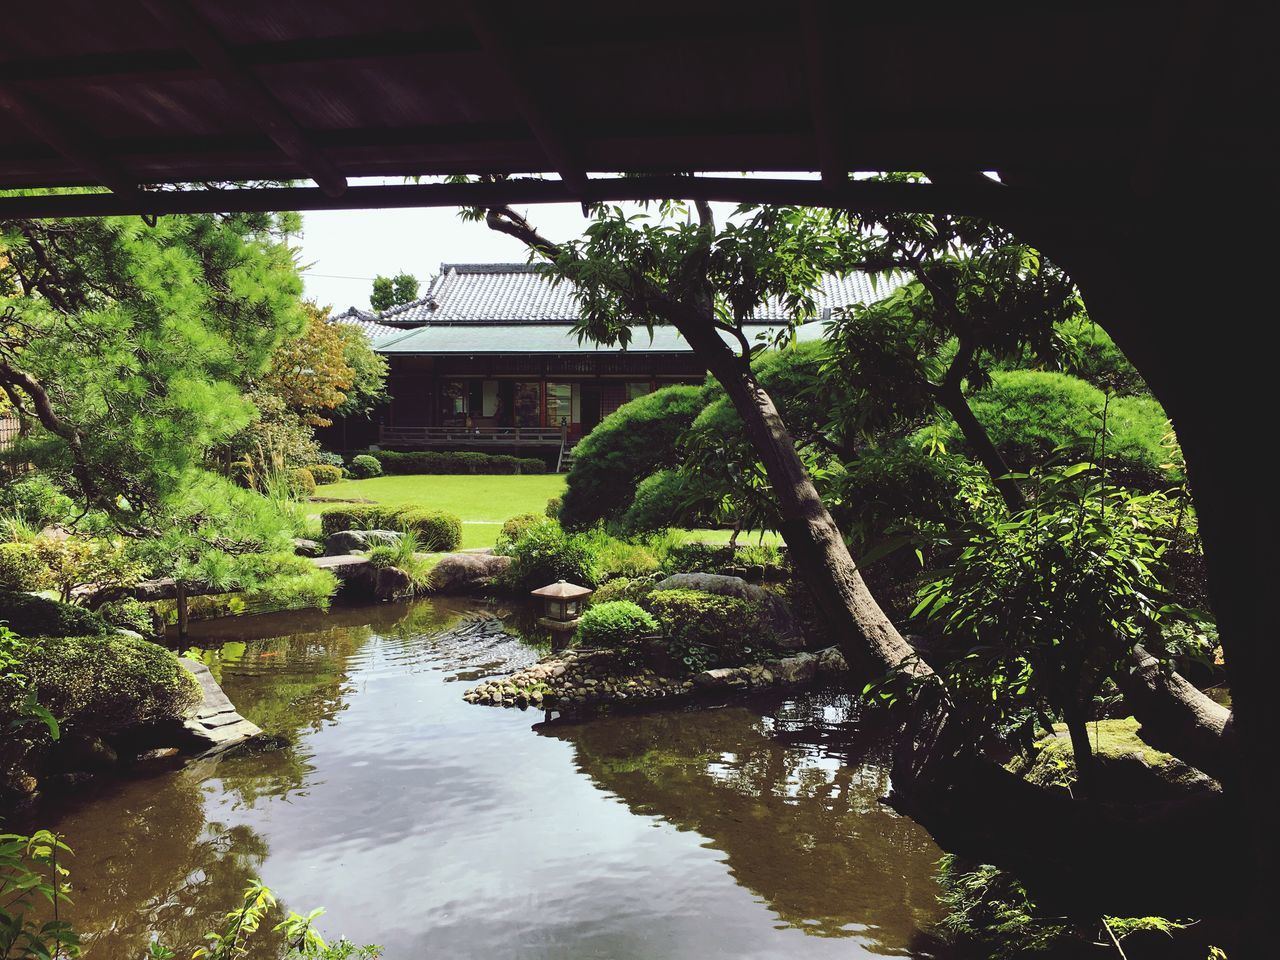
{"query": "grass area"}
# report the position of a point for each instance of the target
(483, 502)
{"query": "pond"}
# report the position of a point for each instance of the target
(438, 828)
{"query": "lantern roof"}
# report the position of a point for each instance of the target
(562, 590)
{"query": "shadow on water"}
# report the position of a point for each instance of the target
(438, 828)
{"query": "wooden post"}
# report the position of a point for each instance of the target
(182, 612)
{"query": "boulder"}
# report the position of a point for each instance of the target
(352, 541)
(801, 668)
(307, 548)
(467, 572)
(213, 725)
(777, 614)
(831, 662)
(392, 583)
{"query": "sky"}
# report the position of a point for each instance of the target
(345, 249)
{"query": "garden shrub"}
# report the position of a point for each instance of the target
(705, 630)
(514, 528)
(697, 557)
(623, 588)
(325, 474)
(619, 558)
(20, 567)
(628, 445)
(355, 517)
(104, 684)
(553, 507)
(128, 614)
(546, 553)
(365, 466)
(889, 489)
(36, 499)
(455, 462)
(33, 616)
(435, 530)
(617, 624)
(658, 503)
(1031, 413)
(328, 458)
(1092, 355)
(302, 482)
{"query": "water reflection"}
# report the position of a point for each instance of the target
(798, 826)
(439, 828)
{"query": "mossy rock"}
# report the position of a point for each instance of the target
(1129, 769)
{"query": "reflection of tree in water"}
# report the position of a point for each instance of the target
(800, 828)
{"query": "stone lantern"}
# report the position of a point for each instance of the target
(562, 608)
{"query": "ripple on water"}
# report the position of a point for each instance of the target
(434, 827)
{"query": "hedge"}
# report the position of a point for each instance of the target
(436, 530)
(33, 616)
(464, 461)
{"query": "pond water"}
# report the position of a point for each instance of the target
(437, 828)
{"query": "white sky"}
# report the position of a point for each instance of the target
(346, 249)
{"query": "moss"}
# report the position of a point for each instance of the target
(102, 685)
(1127, 763)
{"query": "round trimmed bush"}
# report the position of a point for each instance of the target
(355, 517)
(107, 683)
(546, 553)
(618, 625)
(325, 474)
(707, 630)
(437, 531)
(302, 482)
(514, 528)
(33, 616)
(364, 466)
(20, 566)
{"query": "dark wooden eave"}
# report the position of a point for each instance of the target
(232, 92)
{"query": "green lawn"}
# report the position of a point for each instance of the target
(483, 502)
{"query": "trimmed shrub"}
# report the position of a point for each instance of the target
(454, 462)
(33, 616)
(302, 482)
(623, 588)
(546, 553)
(365, 466)
(657, 503)
(706, 630)
(553, 507)
(435, 530)
(514, 528)
(617, 624)
(104, 684)
(1031, 413)
(128, 614)
(698, 558)
(20, 566)
(355, 517)
(325, 474)
(330, 459)
(631, 443)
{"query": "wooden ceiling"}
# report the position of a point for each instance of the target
(135, 95)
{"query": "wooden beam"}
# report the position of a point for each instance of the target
(250, 93)
(816, 31)
(88, 156)
(513, 72)
(977, 198)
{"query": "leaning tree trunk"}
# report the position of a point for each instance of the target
(975, 434)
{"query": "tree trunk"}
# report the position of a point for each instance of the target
(1081, 749)
(975, 434)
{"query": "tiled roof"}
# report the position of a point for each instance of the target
(366, 321)
(506, 293)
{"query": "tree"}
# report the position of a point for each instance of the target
(390, 292)
(123, 345)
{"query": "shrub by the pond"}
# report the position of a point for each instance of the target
(102, 684)
(617, 624)
(514, 528)
(325, 474)
(623, 588)
(302, 482)
(706, 630)
(128, 614)
(365, 466)
(698, 558)
(546, 553)
(20, 566)
(33, 616)
(436, 530)
(358, 516)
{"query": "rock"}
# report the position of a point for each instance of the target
(801, 668)
(351, 541)
(392, 583)
(777, 614)
(307, 548)
(720, 678)
(831, 662)
(213, 725)
(467, 572)
(159, 753)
